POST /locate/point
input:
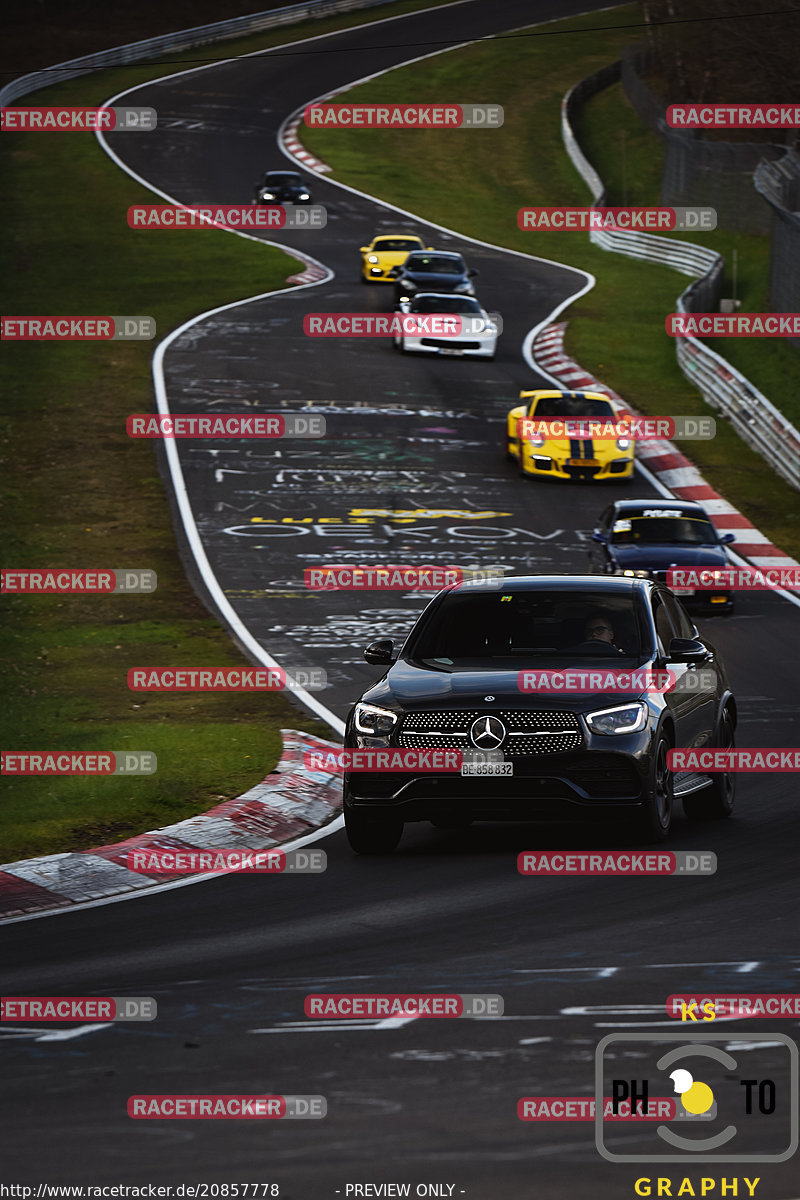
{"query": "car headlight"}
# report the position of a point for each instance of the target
(371, 719)
(304, 196)
(372, 258)
(623, 443)
(536, 439)
(634, 574)
(623, 718)
(466, 286)
(267, 195)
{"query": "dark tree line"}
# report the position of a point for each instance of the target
(721, 50)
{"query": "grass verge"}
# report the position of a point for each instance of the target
(75, 491)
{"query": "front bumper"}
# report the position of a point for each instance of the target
(583, 784)
(451, 347)
(559, 466)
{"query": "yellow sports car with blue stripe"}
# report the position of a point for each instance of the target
(569, 435)
(385, 251)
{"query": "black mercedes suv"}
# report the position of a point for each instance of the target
(460, 681)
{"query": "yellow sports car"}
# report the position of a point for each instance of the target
(385, 251)
(584, 438)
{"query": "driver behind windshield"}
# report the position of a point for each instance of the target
(598, 628)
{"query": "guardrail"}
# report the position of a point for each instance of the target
(182, 39)
(722, 387)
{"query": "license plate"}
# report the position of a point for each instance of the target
(584, 462)
(682, 591)
(450, 350)
(504, 768)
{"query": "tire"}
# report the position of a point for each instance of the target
(523, 474)
(717, 802)
(655, 821)
(369, 832)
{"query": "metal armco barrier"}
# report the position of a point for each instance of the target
(722, 387)
(182, 39)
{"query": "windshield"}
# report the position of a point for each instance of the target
(444, 304)
(436, 264)
(396, 244)
(509, 630)
(683, 531)
(571, 406)
(281, 179)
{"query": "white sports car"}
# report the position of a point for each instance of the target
(424, 334)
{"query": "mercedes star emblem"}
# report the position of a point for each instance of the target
(487, 733)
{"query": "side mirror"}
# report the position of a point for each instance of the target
(393, 271)
(430, 247)
(727, 538)
(597, 536)
(687, 650)
(380, 653)
(363, 249)
(472, 272)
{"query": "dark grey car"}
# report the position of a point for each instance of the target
(459, 682)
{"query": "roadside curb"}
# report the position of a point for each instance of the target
(672, 469)
(290, 140)
(289, 803)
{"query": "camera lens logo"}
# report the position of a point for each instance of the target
(737, 1104)
(696, 1098)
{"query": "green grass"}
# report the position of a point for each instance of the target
(617, 329)
(75, 491)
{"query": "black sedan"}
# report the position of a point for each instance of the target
(645, 538)
(594, 750)
(432, 271)
(282, 187)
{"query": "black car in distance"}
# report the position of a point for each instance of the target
(645, 538)
(432, 271)
(282, 187)
(460, 681)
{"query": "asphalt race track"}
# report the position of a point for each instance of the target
(411, 471)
